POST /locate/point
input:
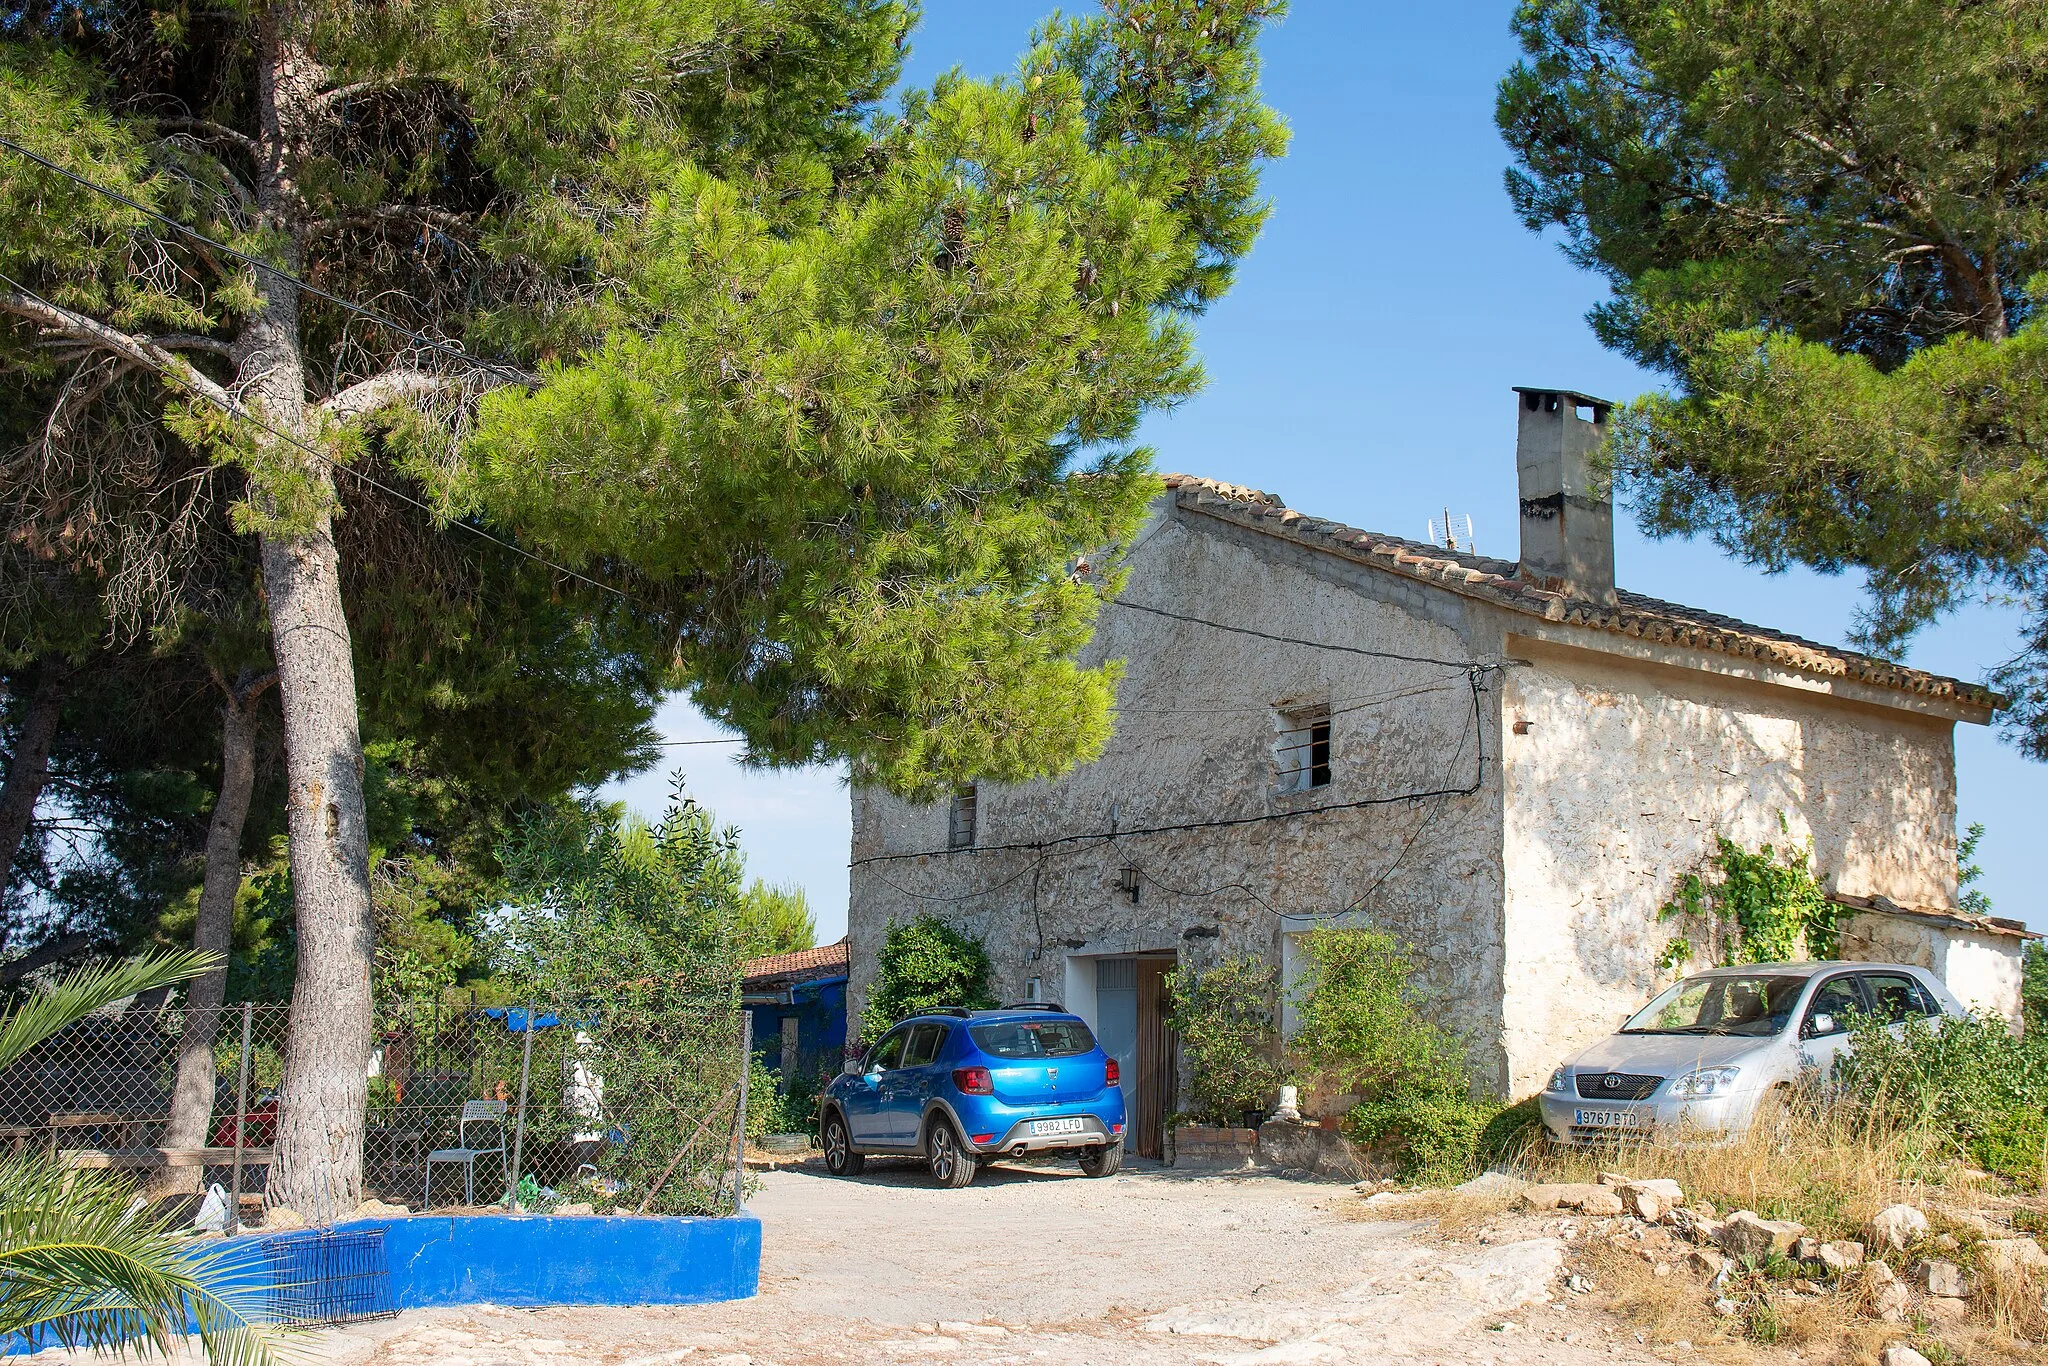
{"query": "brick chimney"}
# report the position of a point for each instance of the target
(1567, 502)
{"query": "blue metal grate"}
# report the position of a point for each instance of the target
(318, 1279)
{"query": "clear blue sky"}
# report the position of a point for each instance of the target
(1361, 368)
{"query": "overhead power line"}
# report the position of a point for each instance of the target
(499, 368)
(1297, 640)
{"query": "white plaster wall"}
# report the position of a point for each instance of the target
(1626, 773)
(1193, 742)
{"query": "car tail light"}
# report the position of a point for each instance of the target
(1111, 1073)
(1116, 1128)
(974, 1081)
(980, 1139)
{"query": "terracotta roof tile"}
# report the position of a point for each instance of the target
(1499, 581)
(829, 960)
(1948, 919)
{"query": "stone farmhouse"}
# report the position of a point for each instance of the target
(1509, 765)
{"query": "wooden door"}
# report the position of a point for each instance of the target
(1155, 1059)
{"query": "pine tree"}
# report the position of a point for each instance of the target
(1824, 220)
(863, 384)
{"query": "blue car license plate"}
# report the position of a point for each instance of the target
(1607, 1119)
(1058, 1126)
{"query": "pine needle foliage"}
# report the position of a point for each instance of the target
(1823, 219)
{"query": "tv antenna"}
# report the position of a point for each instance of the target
(1452, 533)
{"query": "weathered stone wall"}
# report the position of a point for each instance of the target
(1194, 742)
(1623, 774)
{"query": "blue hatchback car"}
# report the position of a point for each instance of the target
(961, 1088)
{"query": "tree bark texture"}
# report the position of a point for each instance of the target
(29, 768)
(192, 1096)
(318, 1167)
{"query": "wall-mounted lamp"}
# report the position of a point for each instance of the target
(1127, 883)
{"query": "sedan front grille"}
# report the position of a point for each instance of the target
(1616, 1085)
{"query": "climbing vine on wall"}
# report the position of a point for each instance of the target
(1761, 906)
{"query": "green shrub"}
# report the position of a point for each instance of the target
(1364, 1028)
(770, 1111)
(923, 965)
(1970, 1085)
(1360, 1022)
(1224, 1017)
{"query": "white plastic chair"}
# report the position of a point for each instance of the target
(491, 1112)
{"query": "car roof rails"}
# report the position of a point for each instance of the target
(958, 1012)
(1053, 1006)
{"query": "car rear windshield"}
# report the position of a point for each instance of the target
(1752, 1004)
(1032, 1038)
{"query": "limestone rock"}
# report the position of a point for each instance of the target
(1599, 1200)
(1615, 1179)
(1892, 1302)
(1944, 1309)
(283, 1217)
(1939, 1278)
(1842, 1257)
(1707, 1261)
(1806, 1250)
(1747, 1234)
(1492, 1183)
(1877, 1273)
(573, 1209)
(2007, 1255)
(377, 1209)
(1649, 1201)
(1899, 1354)
(1897, 1226)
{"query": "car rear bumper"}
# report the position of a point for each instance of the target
(1018, 1139)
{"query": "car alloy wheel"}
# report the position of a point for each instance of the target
(840, 1158)
(952, 1166)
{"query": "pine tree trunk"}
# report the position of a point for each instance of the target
(318, 1167)
(29, 769)
(192, 1097)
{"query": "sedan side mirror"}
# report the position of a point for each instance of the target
(1819, 1025)
(851, 1067)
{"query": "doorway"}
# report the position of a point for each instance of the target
(1131, 1011)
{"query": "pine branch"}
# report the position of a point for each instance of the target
(56, 320)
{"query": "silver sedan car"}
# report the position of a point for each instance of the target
(1711, 1050)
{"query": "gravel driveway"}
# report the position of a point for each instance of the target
(1038, 1265)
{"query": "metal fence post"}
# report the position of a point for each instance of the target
(241, 1113)
(739, 1147)
(519, 1122)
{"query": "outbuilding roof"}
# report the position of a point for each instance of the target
(1500, 582)
(805, 965)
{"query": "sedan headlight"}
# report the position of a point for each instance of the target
(1557, 1082)
(1708, 1081)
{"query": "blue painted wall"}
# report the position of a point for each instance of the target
(576, 1259)
(534, 1260)
(820, 1011)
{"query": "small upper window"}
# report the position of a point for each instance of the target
(1301, 755)
(960, 819)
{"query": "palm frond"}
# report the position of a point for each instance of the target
(81, 993)
(83, 1264)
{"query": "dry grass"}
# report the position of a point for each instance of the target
(1824, 1172)
(1831, 1175)
(1454, 1212)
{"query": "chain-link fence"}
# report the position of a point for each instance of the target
(545, 1106)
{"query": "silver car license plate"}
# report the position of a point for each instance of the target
(1058, 1126)
(1608, 1119)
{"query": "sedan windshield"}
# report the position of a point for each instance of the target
(1750, 1005)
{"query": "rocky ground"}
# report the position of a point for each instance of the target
(1037, 1265)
